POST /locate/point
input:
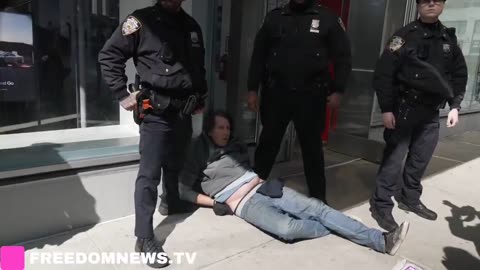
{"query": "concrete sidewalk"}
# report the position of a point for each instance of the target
(230, 243)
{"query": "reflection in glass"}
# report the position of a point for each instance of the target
(49, 75)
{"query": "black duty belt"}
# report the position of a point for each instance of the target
(153, 102)
(417, 98)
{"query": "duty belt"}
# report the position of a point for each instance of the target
(152, 102)
(415, 97)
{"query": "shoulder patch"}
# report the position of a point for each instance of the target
(396, 43)
(130, 26)
(341, 24)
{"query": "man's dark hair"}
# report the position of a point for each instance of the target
(209, 122)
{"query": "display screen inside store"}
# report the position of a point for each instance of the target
(16, 57)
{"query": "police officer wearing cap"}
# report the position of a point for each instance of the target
(166, 45)
(290, 60)
(421, 69)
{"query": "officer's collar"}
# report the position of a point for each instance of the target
(162, 10)
(313, 9)
(427, 33)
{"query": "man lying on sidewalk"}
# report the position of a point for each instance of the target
(220, 165)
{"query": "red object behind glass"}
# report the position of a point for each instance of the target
(337, 6)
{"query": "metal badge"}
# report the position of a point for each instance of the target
(130, 26)
(341, 24)
(315, 26)
(396, 43)
(195, 39)
(446, 48)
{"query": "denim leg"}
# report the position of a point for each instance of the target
(261, 212)
(305, 208)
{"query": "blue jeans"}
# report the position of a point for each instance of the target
(295, 216)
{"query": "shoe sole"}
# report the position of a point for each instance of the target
(403, 234)
(404, 207)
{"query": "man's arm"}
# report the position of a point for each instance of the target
(459, 78)
(340, 54)
(203, 87)
(385, 73)
(256, 71)
(191, 174)
(117, 50)
(188, 178)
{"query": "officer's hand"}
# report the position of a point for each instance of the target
(199, 110)
(452, 118)
(129, 103)
(222, 209)
(389, 120)
(334, 100)
(252, 100)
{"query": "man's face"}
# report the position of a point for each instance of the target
(430, 9)
(171, 5)
(220, 134)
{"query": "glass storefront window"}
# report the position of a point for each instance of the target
(49, 75)
(465, 17)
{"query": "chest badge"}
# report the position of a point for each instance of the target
(195, 39)
(446, 48)
(314, 28)
(341, 24)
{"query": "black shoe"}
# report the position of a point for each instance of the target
(419, 209)
(163, 209)
(151, 246)
(386, 221)
(394, 239)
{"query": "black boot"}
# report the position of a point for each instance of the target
(419, 209)
(394, 239)
(384, 220)
(151, 246)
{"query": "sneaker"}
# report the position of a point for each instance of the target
(394, 239)
(151, 246)
(419, 209)
(385, 221)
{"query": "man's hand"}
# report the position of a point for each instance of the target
(452, 120)
(252, 100)
(130, 102)
(334, 100)
(389, 120)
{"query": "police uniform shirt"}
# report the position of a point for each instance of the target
(434, 44)
(296, 47)
(167, 50)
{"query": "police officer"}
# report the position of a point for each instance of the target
(166, 45)
(290, 61)
(421, 69)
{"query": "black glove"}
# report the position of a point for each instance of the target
(272, 188)
(222, 209)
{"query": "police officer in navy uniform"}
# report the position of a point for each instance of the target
(290, 60)
(166, 45)
(421, 69)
